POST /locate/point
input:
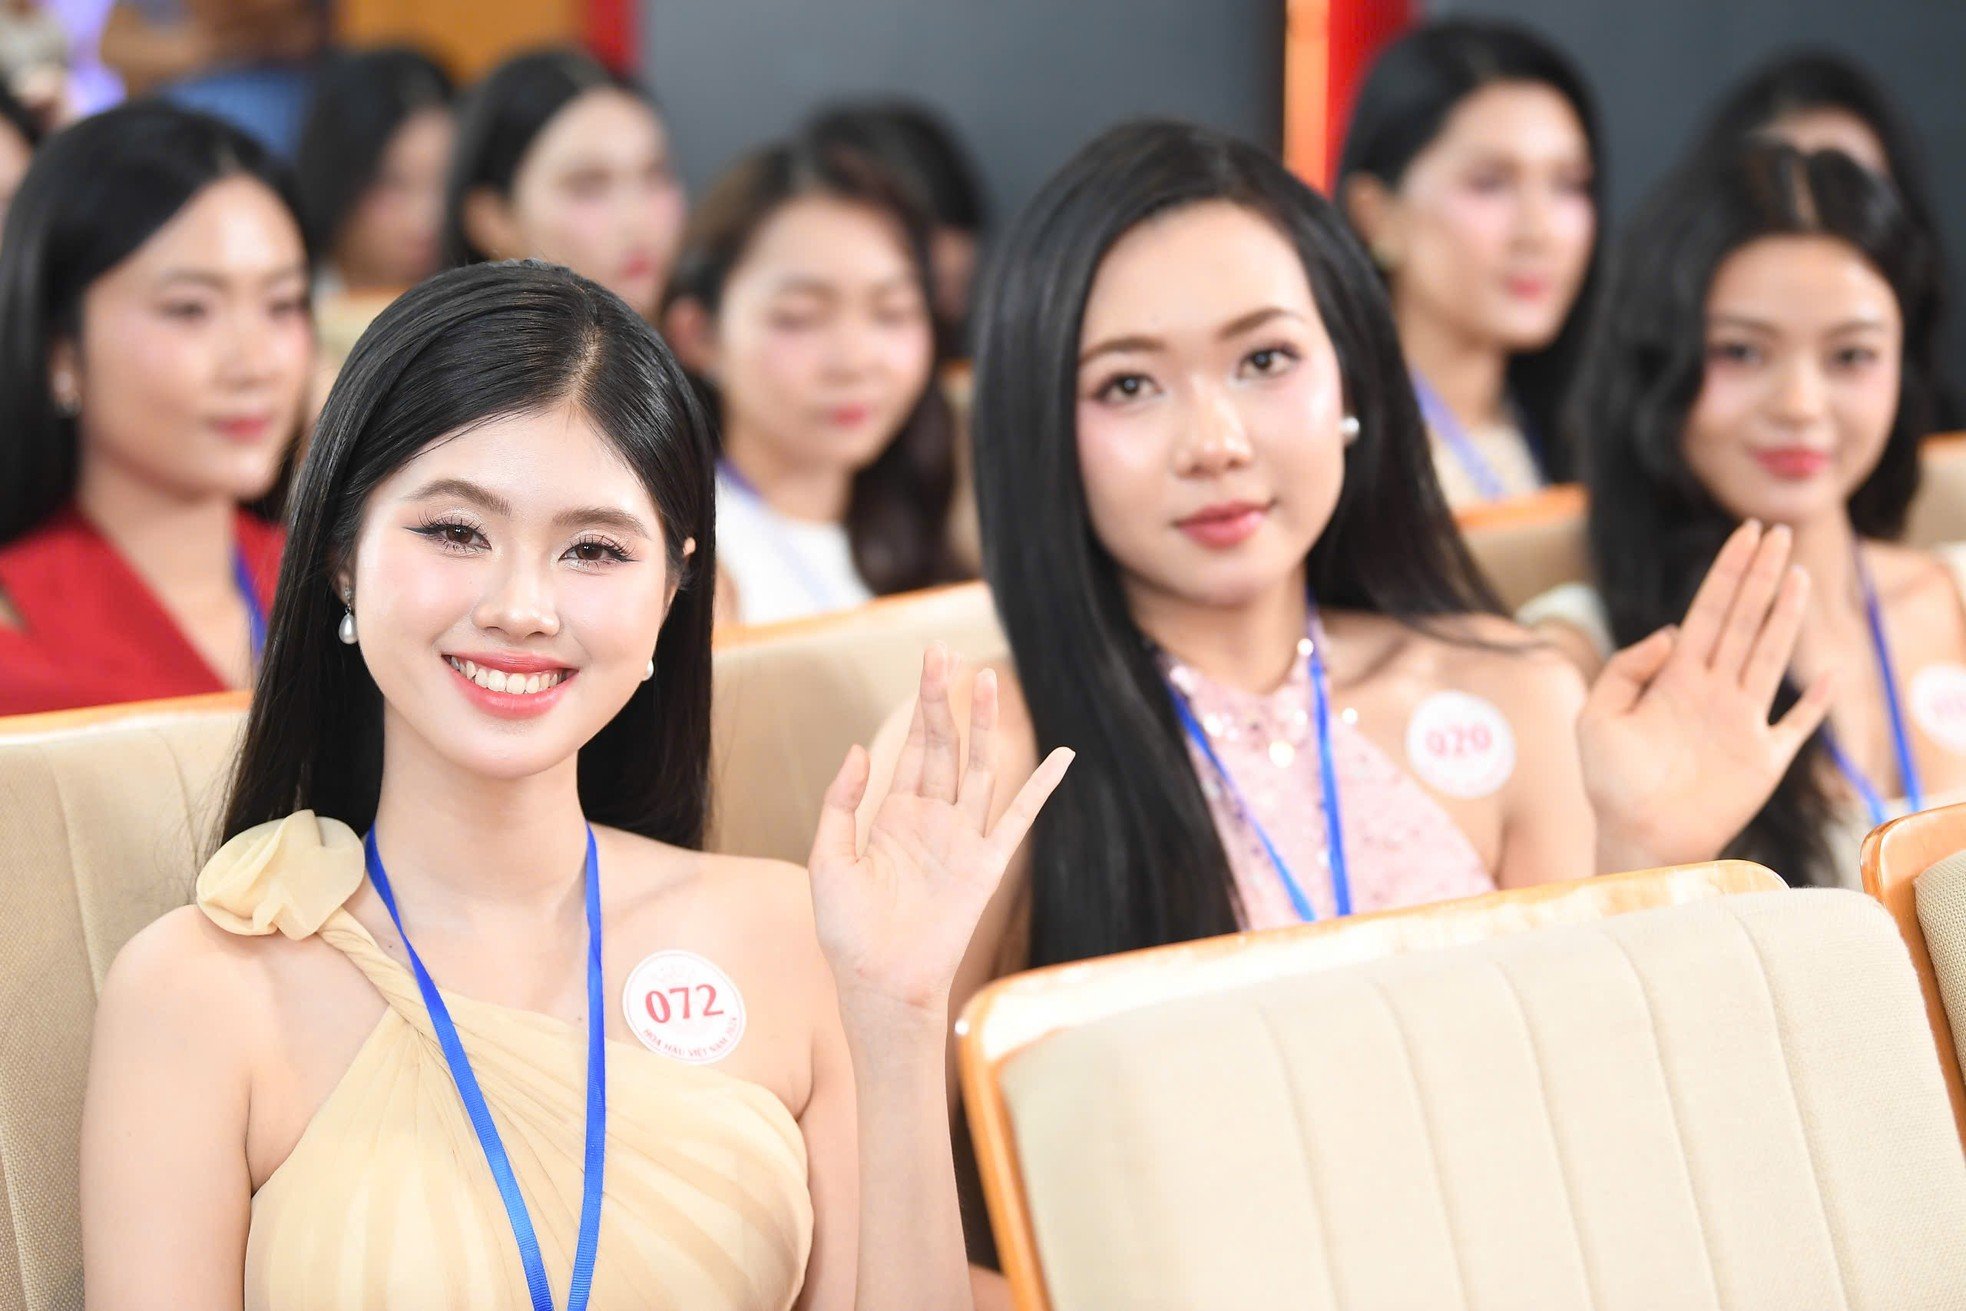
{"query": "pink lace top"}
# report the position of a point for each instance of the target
(1401, 847)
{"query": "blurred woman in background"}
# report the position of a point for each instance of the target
(923, 150)
(1817, 100)
(802, 303)
(1765, 355)
(154, 296)
(558, 159)
(373, 157)
(1472, 172)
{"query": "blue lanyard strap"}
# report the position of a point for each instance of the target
(1488, 484)
(1894, 707)
(581, 1283)
(242, 578)
(1334, 833)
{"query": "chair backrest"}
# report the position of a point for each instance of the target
(103, 817)
(1896, 857)
(1938, 515)
(791, 698)
(1673, 1107)
(1529, 544)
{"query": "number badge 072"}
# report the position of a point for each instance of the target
(683, 1007)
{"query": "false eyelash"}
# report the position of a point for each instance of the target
(434, 530)
(615, 549)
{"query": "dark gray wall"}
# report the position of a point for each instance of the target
(1025, 81)
(1658, 66)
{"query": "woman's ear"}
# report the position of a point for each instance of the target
(486, 218)
(691, 332)
(1372, 209)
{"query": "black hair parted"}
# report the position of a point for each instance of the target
(1126, 854)
(468, 346)
(1654, 528)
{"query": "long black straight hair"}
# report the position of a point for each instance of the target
(1126, 854)
(94, 193)
(1654, 529)
(461, 349)
(898, 508)
(1412, 89)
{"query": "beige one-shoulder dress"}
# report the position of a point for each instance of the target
(387, 1201)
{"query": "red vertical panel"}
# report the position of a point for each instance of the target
(612, 34)
(1359, 29)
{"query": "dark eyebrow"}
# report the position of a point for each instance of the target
(587, 516)
(803, 286)
(1233, 328)
(600, 516)
(490, 502)
(208, 279)
(1740, 321)
(1256, 319)
(1118, 346)
(1762, 326)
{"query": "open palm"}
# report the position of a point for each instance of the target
(895, 919)
(1678, 754)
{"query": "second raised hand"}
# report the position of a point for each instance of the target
(1678, 753)
(895, 919)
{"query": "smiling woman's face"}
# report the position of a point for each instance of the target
(509, 584)
(1801, 384)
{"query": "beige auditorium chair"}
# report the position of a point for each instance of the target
(1916, 866)
(1530, 544)
(104, 816)
(1520, 1100)
(791, 698)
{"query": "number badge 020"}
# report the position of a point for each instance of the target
(683, 1007)
(1460, 744)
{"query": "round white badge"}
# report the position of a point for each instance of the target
(1938, 704)
(683, 1007)
(1460, 744)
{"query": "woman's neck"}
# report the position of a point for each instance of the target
(1826, 549)
(182, 547)
(1469, 375)
(470, 854)
(1251, 646)
(815, 492)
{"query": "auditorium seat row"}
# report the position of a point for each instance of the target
(1675, 1088)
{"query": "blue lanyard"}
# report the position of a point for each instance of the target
(817, 590)
(1900, 735)
(1488, 484)
(242, 578)
(582, 1280)
(1334, 833)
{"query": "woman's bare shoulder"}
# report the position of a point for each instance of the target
(192, 985)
